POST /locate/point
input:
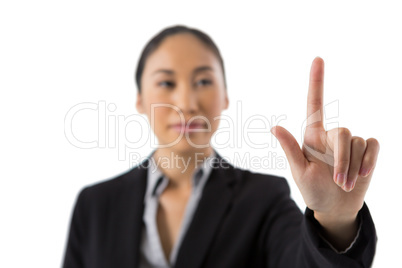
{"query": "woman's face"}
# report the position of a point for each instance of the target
(184, 82)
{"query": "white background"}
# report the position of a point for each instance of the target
(57, 54)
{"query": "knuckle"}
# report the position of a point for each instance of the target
(344, 132)
(369, 160)
(316, 102)
(359, 142)
(374, 142)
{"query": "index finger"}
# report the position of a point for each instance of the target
(316, 95)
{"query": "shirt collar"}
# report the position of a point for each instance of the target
(157, 181)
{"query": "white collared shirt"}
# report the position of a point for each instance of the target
(152, 254)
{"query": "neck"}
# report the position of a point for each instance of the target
(179, 166)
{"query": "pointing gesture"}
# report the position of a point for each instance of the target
(332, 169)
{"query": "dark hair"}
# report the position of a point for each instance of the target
(154, 43)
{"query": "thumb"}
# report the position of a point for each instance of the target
(291, 147)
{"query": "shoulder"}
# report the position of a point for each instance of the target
(249, 178)
(261, 185)
(133, 179)
(259, 179)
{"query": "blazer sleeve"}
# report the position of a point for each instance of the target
(74, 250)
(292, 239)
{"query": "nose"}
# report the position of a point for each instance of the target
(185, 98)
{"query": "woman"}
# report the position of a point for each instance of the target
(186, 206)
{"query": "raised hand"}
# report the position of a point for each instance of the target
(332, 169)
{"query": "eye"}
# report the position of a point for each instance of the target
(166, 84)
(204, 82)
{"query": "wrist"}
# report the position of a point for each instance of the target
(333, 220)
(339, 230)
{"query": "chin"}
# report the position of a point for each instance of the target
(183, 146)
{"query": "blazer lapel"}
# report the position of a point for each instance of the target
(214, 202)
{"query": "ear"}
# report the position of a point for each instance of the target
(138, 103)
(226, 100)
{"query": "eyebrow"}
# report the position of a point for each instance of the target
(196, 70)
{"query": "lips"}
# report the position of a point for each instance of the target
(196, 125)
(188, 127)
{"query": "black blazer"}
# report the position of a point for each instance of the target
(243, 219)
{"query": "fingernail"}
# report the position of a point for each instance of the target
(364, 172)
(341, 179)
(349, 185)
